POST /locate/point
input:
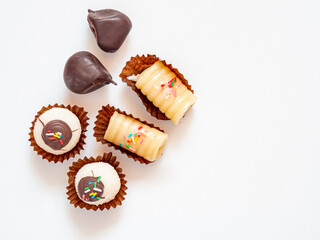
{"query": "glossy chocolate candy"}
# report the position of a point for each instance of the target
(84, 73)
(110, 28)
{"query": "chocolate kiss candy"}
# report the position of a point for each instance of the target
(84, 73)
(110, 27)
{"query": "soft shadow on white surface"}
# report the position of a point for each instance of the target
(91, 223)
(91, 101)
(50, 172)
(183, 129)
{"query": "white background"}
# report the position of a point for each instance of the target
(243, 164)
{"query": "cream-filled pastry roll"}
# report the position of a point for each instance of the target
(166, 91)
(135, 136)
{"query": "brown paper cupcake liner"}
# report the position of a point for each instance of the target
(72, 193)
(137, 65)
(101, 125)
(82, 116)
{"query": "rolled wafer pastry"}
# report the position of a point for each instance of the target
(135, 136)
(166, 91)
(163, 90)
(103, 123)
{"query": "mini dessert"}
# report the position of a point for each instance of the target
(110, 28)
(135, 136)
(84, 73)
(96, 183)
(138, 140)
(163, 89)
(57, 133)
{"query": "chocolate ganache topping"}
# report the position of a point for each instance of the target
(90, 189)
(56, 134)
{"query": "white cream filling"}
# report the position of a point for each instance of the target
(133, 77)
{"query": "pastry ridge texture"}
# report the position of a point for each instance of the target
(137, 65)
(101, 125)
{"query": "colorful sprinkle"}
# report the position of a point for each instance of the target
(49, 131)
(61, 142)
(89, 183)
(125, 138)
(99, 179)
(52, 138)
(95, 185)
(132, 149)
(97, 189)
(98, 198)
(83, 197)
(172, 83)
(134, 138)
(86, 188)
(92, 196)
(49, 134)
(87, 191)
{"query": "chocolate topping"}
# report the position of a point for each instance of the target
(110, 28)
(56, 134)
(90, 189)
(84, 73)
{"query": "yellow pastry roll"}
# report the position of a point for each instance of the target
(135, 136)
(165, 90)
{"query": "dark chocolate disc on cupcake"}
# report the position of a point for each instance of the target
(96, 183)
(57, 133)
(91, 189)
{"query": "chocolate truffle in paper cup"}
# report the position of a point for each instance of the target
(57, 132)
(137, 139)
(163, 89)
(96, 183)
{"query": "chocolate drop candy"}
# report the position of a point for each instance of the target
(84, 73)
(110, 28)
